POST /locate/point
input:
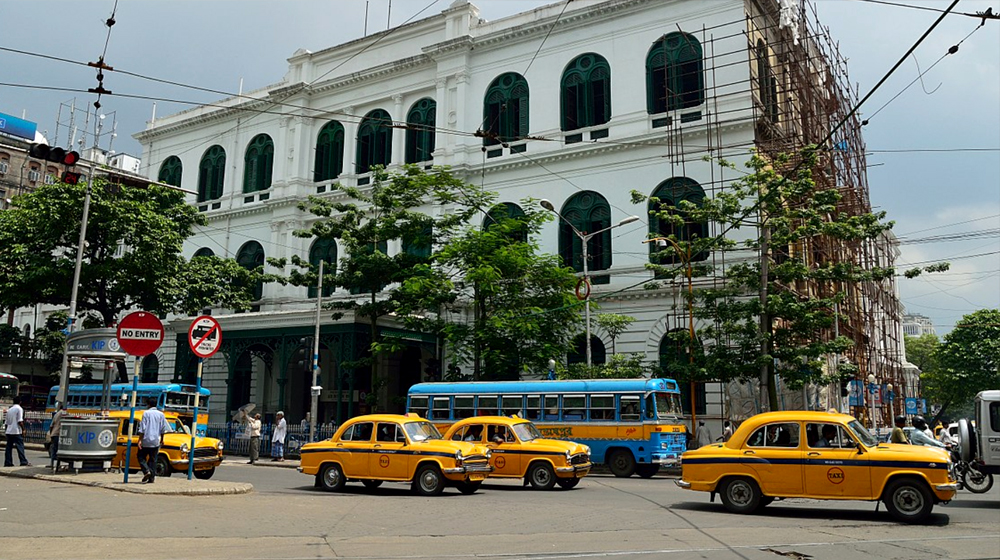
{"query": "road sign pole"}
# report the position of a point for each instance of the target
(131, 419)
(194, 423)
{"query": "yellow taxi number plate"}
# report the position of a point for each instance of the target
(476, 477)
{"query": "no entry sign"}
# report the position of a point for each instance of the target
(204, 336)
(140, 333)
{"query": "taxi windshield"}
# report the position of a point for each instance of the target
(526, 432)
(862, 434)
(668, 405)
(421, 431)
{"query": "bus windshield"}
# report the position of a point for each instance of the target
(526, 432)
(182, 401)
(668, 405)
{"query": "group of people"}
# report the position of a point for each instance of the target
(920, 435)
(277, 437)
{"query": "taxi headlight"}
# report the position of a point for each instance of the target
(458, 457)
(489, 453)
(569, 455)
(586, 449)
(220, 446)
(184, 448)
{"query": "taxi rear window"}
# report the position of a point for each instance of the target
(783, 434)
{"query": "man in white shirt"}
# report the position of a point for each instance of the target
(278, 438)
(151, 429)
(15, 435)
(253, 426)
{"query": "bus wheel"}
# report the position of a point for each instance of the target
(621, 463)
(162, 466)
(646, 470)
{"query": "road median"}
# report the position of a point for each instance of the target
(167, 486)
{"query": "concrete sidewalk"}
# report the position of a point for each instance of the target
(262, 462)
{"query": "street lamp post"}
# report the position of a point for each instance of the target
(686, 255)
(585, 239)
(871, 399)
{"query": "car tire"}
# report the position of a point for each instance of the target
(645, 470)
(428, 481)
(468, 487)
(162, 466)
(204, 474)
(371, 484)
(741, 495)
(908, 500)
(331, 478)
(541, 476)
(621, 463)
(568, 483)
(765, 501)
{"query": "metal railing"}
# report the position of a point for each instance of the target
(237, 440)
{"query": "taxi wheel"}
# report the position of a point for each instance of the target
(429, 481)
(541, 476)
(908, 500)
(741, 495)
(568, 483)
(621, 463)
(162, 467)
(331, 478)
(371, 484)
(647, 470)
(468, 487)
(204, 474)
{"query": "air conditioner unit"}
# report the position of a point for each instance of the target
(50, 179)
(34, 176)
(4, 166)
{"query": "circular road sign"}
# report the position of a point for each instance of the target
(140, 333)
(204, 336)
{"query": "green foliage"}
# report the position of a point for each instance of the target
(13, 343)
(132, 257)
(921, 351)
(614, 324)
(618, 366)
(968, 360)
(937, 267)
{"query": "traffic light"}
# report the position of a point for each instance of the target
(57, 155)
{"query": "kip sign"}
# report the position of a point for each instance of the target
(140, 333)
(204, 336)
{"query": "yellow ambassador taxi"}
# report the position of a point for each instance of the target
(381, 447)
(173, 454)
(520, 451)
(802, 454)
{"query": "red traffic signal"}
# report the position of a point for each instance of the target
(57, 155)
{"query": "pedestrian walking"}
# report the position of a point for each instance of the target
(253, 426)
(53, 433)
(15, 435)
(151, 429)
(727, 431)
(704, 435)
(278, 438)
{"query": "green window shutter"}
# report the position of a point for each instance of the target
(674, 74)
(374, 140)
(586, 92)
(666, 197)
(211, 174)
(420, 245)
(505, 109)
(420, 131)
(204, 252)
(510, 216)
(329, 152)
(258, 164)
(587, 211)
(325, 250)
(251, 257)
(170, 171)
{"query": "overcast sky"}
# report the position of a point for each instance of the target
(916, 175)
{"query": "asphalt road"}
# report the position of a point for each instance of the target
(603, 518)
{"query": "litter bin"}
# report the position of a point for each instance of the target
(87, 442)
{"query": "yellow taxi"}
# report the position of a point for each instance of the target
(520, 451)
(381, 447)
(173, 454)
(802, 454)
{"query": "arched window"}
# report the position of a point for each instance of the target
(150, 369)
(767, 84)
(586, 92)
(251, 257)
(370, 249)
(669, 194)
(588, 211)
(259, 163)
(420, 122)
(204, 252)
(420, 243)
(598, 353)
(499, 215)
(674, 348)
(505, 110)
(211, 173)
(674, 74)
(329, 152)
(170, 171)
(325, 250)
(374, 141)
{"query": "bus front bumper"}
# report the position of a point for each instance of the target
(666, 460)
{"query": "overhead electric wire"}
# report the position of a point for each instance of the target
(952, 224)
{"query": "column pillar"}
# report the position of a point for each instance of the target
(398, 133)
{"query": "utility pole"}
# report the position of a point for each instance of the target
(315, 389)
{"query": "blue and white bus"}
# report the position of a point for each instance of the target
(170, 397)
(631, 425)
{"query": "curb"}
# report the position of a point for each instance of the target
(229, 488)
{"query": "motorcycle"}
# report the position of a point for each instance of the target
(969, 476)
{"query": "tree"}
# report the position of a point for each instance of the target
(132, 257)
(618, 366)
(921, 351)
(756, 324)
(968, 361)
(614, 324)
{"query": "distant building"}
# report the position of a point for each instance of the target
(917, 325)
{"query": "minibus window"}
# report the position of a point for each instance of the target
(464, 407)
(533, 409)
(442, 408)
(551, 407)
(602, 407)
(574, 408)
(418, 405)
(629, 408)
(512, 405)
(487, 406)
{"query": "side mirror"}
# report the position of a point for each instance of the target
(861, 448)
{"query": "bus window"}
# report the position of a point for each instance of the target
(487, 406)
(668, 405)
(551, 406)
(574, 408)
(442, 408)
(628, 408)
(602, 407)
(418, 405)
(649, 412)
(533, 410)
(511, 405)
(464, 407)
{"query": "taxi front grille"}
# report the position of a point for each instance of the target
(579, 459)
(205, 452)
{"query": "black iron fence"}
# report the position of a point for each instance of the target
(237, 439)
